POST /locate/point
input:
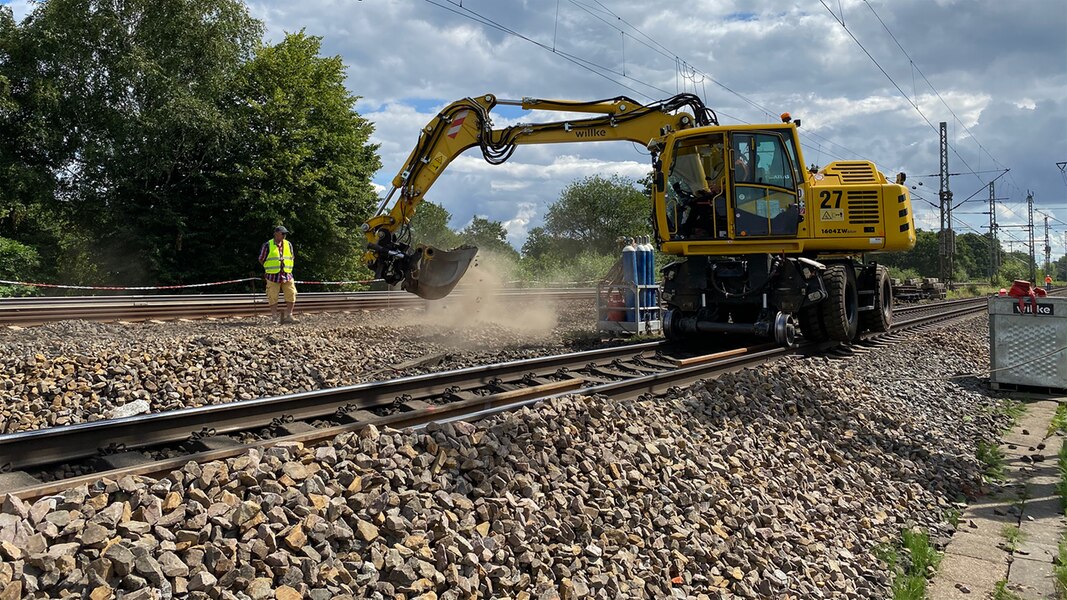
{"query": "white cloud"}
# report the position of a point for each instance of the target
(517, 225)
(409, 58)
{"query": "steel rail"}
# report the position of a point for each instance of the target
(52, 445)
(71, 442)
(37, 311)
(471, 408)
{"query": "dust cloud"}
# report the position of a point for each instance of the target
(478, 302)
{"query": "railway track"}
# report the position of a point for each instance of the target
(26, 312)
(158, 443)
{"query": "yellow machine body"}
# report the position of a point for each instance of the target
(765, 244)
(847, 207)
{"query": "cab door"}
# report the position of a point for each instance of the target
(764, 193)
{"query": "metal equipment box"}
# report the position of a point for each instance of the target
(1027, 346)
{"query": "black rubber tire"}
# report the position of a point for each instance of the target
(840, 311)
(810, 321)
(880, 319)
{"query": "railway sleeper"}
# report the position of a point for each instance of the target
(14, 480)
(120, 460)
(609, 372)
(356, 416)
(207, 444)
(293, 428)
(413, 405)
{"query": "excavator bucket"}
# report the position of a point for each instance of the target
(438, 271)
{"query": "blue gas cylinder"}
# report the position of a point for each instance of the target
(630, 276)
(642, 272)
(650, 271)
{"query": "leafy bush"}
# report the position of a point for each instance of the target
(585, 268)
(17, 263)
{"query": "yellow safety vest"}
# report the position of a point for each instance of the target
(277, 262)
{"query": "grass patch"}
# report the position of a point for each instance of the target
(910, 562)
(1059, 421)
(1001, 591)
(1013, 409)
(1059, 570)
(1061, 485)
(1013, 535)
(953, 516)
(992, 459)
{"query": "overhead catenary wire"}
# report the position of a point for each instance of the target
(652, 44)
(896, 85)
(923, 75)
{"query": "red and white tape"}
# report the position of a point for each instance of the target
(64, 286)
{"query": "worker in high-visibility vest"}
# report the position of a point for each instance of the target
(1048, 283)
(277, 256)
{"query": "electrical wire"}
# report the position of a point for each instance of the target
(913, 104)
(938, 94)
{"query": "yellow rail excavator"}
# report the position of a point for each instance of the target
(763, 244)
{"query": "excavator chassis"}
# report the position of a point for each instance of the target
(775, 297)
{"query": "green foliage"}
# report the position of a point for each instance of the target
(903, 273)
(953, 516)
(309, 162)
(488, 236)
(1061, 463)
(18, 262)
(972, 259)
(584, 268)
(911, 570)
(430, 226)
(1059, 421)
(992, 459)
(1013, 535)
(1001, 591)
(1060, 569)
(922, 259)
(590, 215)
(161, 141)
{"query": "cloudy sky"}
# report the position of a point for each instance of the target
(995, 71)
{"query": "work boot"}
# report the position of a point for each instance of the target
(289, 319)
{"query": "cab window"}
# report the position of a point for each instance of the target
(764, 191)
(696, 189)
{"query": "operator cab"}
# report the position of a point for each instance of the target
(734, 186)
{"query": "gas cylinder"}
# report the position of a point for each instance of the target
(630, 276)
(616, 307)
(650, 271)
(642, 274)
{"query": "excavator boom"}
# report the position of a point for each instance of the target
(431, 273)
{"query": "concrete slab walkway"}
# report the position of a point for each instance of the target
(980, 557)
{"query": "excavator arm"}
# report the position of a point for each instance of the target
(432, 273)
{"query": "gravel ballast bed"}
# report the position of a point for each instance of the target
(76, 371)
(766, 482)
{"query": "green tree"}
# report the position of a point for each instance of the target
(18, 262)
(923, 258)
(160, 140)
(430, 226)
(590, 215)
(489, 237)
(130, 95)
(306, 161)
